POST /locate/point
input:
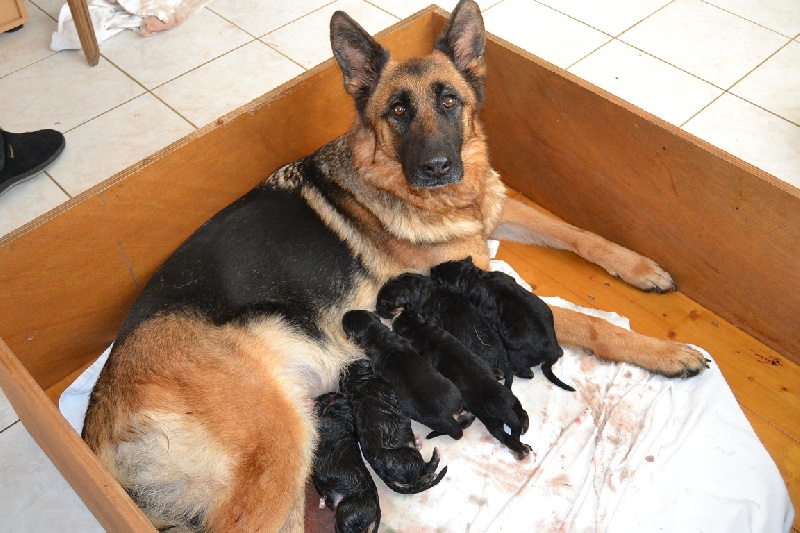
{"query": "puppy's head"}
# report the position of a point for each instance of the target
(357, 322)
(407, 322)
(355, 373)
(360, 513)
(332, 404)
(452, 274)
(402, 291)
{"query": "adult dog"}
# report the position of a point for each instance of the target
(204, 411)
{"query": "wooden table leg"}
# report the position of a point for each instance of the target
(83, 23)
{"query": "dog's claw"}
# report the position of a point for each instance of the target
(687, 363)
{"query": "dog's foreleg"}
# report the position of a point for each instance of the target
(613, 343)
(524, 224)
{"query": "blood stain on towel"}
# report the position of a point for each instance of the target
(649, 458)
(559, 482)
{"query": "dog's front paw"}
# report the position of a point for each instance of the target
(684, 362)
(647, 275)
(625, 264)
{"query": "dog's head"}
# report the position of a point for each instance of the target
(420, 110)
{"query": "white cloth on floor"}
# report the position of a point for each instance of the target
(628, 451)
(109, 17)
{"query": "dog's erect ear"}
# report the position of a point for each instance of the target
(360, 57)
(463, 41)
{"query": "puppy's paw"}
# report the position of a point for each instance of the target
(519, 449)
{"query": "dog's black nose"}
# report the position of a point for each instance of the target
(437, 166)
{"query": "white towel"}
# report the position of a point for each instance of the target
(109, 17)
(628, 451)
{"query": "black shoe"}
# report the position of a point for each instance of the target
(26, 154)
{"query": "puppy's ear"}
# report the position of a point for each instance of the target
(360, 57)
(463, 41)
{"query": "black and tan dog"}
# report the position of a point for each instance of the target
(492, 403)
(204, 409)
(339, 473)
(522, 319)
(451, 312)
(422, 392)
(384, 432)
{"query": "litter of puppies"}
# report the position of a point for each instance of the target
(454, 334)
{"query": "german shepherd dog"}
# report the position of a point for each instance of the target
(204, 411)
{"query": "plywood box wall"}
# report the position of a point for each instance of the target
(729, 233)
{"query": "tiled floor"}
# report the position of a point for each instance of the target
(727, 71)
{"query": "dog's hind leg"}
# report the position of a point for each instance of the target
(613, 343)
(196, 425)
(525, 224)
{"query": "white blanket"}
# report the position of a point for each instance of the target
(628, 451)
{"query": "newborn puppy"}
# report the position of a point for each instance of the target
(423, 393)
(339, 473)
(384, 432)
(451, 312)
(492, 403)
(523, 321)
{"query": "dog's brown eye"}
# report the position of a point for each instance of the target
(398, 110)
(449, 102)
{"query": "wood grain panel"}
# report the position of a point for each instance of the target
(729, 233)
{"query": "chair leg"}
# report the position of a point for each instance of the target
(83, 23)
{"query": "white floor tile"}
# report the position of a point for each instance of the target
(35, 496)
(705, 41)
(646, 82)
(112, 142)
(7, 414)
(610, 16)
(314, 46)
(51, 7)
(544, 32)
(27, 200)
(61, 92)
(31, 43)
(159, 58)
(207, 93)
(782, 16)
(751, 134)
(404, 8)
(775, 85)
(251, 17)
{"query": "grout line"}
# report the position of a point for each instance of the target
(728, 91)
(611, 40)
(58, 185)
(277, 28)
(10, 425)
(373, 4)
(743, 18)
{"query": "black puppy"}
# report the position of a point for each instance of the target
(523, 321)
(492, 403)
(451, 312)
(423, 393)
(339, 472)
(384, 432)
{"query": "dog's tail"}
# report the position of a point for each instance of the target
(547, 370)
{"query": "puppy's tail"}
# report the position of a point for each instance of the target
(547, 370)
(428, 479)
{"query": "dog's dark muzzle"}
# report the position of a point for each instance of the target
(435, 169)
(433, 161)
